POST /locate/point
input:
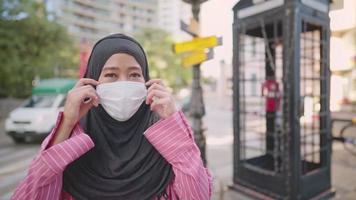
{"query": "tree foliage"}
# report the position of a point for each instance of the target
(163, 63)
(31, 45)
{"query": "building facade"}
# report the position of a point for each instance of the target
(343, 55)
(90, 20)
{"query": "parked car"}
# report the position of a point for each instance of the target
(36, 117)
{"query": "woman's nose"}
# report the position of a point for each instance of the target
(122, 78)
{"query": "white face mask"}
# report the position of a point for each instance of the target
(121, 99)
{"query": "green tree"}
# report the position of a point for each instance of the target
(162, 61)
(31, 45)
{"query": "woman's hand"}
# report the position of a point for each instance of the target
(79, 100)
(160, 99)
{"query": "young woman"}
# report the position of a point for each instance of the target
(119, 137)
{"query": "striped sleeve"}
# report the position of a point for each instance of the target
(173, 138)
(44, 178)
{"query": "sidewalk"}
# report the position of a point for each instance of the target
(219, 134)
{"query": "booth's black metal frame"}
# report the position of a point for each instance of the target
(292, 176)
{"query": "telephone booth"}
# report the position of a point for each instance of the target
(282, 146)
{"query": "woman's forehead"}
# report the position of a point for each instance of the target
(121, 67)
(121, 61)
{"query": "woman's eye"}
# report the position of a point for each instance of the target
(111, 75)
(135, 75)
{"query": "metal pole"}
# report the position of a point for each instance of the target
(197, 109)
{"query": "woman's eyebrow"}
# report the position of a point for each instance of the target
(110, 68)
(134, 67)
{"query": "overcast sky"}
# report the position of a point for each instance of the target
(216, 19)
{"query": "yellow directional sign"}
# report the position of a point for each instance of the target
(196, 43)
(195, 57)
(354, 120)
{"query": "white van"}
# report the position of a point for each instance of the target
(36, 117)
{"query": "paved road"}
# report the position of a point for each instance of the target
(14, 162)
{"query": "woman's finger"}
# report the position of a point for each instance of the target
(86, 81)
(89, 96)
(77, 93)
(157, 94)
(159, 102)
(85, 87)
(158, 81)
(158, 87)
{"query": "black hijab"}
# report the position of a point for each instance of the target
(123, 164)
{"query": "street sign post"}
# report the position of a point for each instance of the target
(197, 57)
(196, 44)
(192, 28)
(196, 108)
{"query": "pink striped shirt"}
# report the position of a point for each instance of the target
(172, 137)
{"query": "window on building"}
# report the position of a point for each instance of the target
(253, 84)
(87, 29)
(253, 46)
(83, 17)
(337, 4)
